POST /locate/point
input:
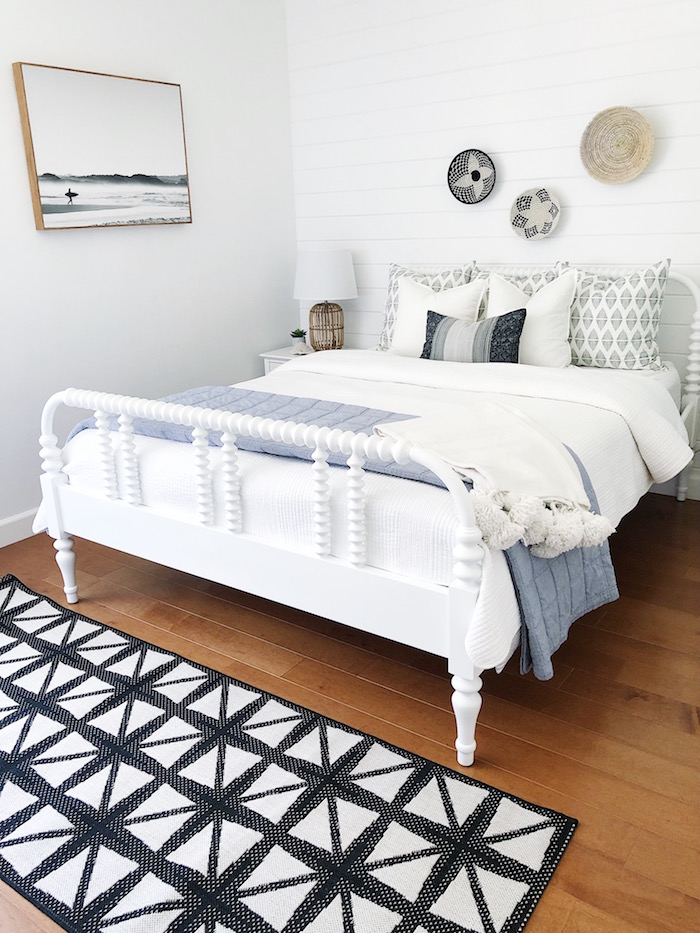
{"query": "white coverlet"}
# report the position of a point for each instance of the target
(526, 485)
(648, 412)
(479, 441)
(402, 512)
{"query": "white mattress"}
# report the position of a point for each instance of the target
(411, 525)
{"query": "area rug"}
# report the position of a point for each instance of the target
(143, 793)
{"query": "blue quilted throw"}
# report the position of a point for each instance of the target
(552, 592)
(309, 411)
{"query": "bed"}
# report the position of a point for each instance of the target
(360, 522)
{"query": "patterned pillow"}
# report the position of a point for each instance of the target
(526, 281)
(434, 276)
(615, 321)
(496, 340)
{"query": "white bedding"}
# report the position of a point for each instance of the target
(585, 408)
(277, 491)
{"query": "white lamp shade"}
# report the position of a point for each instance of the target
(325, 275)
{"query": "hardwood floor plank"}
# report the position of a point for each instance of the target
(668, 628)
(598, 717)
(677, 867)
(584, 918)
(646, 676)
(621, 893)
(629, 646)
(646, 704)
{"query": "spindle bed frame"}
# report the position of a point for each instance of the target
(430, 617)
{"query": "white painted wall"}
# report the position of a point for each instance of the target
(147, 310)
(384, 93)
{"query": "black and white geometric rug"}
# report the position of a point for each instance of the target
(143, 793)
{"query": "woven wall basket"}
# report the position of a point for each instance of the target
(471, 176)
(535, 214)
(616, 145)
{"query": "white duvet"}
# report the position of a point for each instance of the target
(624, 427)
(561, 399)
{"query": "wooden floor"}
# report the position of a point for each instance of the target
(613, 739)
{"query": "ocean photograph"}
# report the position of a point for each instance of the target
(118, 158)
(99, 200)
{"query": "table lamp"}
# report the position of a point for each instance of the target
(326, 273)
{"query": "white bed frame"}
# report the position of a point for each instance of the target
(345, 591)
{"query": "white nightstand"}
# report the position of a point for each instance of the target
(275, 358)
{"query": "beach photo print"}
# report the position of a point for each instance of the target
(102, 150)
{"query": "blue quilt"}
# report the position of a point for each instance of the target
(552, 592)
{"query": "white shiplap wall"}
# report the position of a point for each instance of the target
(385, 92)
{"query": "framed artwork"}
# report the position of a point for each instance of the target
(102, 150)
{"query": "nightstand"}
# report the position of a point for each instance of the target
(275, 358)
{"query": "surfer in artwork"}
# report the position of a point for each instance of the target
(70, 195)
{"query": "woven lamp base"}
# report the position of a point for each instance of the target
(326, 327)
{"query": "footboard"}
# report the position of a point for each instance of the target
(427, 616)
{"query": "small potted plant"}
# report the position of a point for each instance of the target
(299, 344)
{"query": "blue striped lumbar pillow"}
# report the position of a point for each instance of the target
(495, 340)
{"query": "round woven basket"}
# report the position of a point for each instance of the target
(471, 176)
(616, 145)
(535, 214)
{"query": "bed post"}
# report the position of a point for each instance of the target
(466, 679)
(65, 558)
(690, 403)
(466, 703)
(52, 465)
(468, 553)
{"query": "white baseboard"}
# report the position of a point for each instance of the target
(16, 527)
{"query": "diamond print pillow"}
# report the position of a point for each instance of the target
(437, 277)
(526, 281)
(615, 321)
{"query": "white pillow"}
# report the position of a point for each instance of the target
(416, 300)
(437, 276)
(545, 337)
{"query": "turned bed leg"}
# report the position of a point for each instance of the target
(682, 483)
(65, 558)
(53, 477)
(466, 702)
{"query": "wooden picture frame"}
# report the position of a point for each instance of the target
(102, 150)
